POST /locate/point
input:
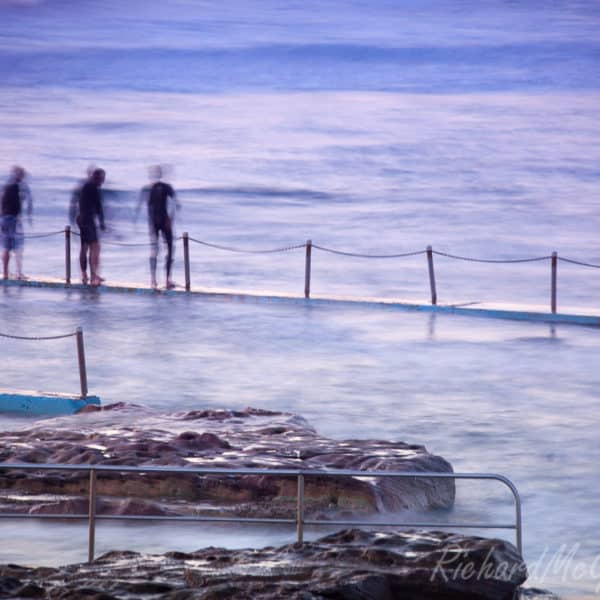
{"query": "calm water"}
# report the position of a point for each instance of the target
(366, 127)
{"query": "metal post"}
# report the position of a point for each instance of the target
(553, 282)
(307, 269)
(186, 260)
(68, 255)
(431, 275)
(518, 514)
(519, 525)
(300, 510)
(92, 515)
(81, 360)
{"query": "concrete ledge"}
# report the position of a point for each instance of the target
(43, 403)
(479, 309)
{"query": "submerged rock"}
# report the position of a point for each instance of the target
(122, 435)
(349, 565)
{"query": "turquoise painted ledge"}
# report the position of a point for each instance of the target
(43, 404)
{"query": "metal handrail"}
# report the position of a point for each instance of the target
(300, 474)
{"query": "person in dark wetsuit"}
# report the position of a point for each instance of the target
(90, 209)
(15, 193)
(76, 193)
(159, 196)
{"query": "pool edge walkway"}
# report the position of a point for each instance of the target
(474, 308)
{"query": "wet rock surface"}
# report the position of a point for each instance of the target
(537, 594)
(349, 565)
(252, 438)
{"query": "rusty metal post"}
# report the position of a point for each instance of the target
(186, 260)
(553, 282)
(68, 255)
(307, 269)
(300, 510)
(81, 360)
(431, 275)
(92, 515)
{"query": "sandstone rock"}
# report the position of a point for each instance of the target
(211, 438)
(349, 565)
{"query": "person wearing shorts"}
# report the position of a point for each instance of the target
(15, 193)
(90, 211)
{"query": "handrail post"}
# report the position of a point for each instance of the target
(67, 255)
(81, 360)
(300, 510)
(553, 282)
(307, 269)
(186, 260)
(431, 275)
(92, 515)
(519, 524)
(518, 513)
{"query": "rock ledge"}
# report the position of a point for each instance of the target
(129, 435)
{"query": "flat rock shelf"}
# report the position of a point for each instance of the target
(251, 438)
(348, 565)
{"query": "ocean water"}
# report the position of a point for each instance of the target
(367, 127)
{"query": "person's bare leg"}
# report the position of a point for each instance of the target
(83, 262)
(95, 263)
(19, 261)
(5, 259)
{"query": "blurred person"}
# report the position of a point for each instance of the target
(75, 195)
(161, 202)
(90, 210)
(15, 193)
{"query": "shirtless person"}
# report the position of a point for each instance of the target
(90, 209)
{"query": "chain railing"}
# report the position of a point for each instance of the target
(78, 334)
(578, 262)
(31, 236)
(38, 338)
(242, 250)
(309, 245)
(300, 519)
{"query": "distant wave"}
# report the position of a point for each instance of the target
(107, 125)
(249, 191)
(557, 65)
(253, 191)
(445, 53)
